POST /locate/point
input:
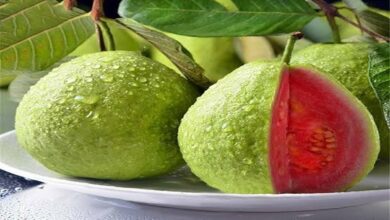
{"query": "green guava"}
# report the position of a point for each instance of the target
(109, 115)
(267, 129)
(215, 55)
(348, 63)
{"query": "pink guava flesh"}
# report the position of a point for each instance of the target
(317, 141)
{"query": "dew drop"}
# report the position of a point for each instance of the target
(247, 161)
(96, 66)
(107, 77)
(70, 88)
(143, 79)
(70, 80)
(92, 99)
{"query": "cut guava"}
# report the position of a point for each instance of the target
(271, 129)
(319, 141)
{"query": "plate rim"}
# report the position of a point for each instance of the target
(74, 181)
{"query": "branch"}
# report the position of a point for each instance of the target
(373, 34)
(97, 10)
(330, 12)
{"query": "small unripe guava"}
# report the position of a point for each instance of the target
(109, 115)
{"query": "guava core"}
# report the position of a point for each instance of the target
(108, 115)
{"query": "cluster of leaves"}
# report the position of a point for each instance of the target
(35, 34)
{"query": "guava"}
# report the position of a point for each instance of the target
(215, 55)
(271, 129)
(109, 115)
(348, 63)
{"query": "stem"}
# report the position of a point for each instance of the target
(96, 14)
(100, 37)
(106, 29)
(68, 4)
(290, 46)
(330, 12)
(97, 10)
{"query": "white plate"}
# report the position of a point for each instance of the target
(183, 190)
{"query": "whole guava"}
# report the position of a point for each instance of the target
(108, 115)
(348, 63)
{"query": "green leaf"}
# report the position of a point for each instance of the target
(379, 75)
(37, 33)
(206, 18)
(375, 21)
(171, 48)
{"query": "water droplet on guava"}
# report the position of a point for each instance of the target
(96, 66)
(143, 79)
(91, 99)
(70, 80)
(107, 78)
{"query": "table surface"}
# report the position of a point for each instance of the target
(25, 199)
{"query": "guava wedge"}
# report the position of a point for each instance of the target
(271, 129)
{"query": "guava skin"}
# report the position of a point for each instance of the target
(109, 115)
(223, 137)
(348, 63)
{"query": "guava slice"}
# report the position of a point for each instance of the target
(320, 140)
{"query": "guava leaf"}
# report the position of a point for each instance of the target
(172, 49)
(207, 18)
(379, 75)
(375, 21)
(37, 33)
